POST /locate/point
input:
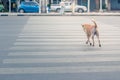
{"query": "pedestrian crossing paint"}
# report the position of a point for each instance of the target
(59, 70)
(61, 60)
(77, 53)
(66, 44)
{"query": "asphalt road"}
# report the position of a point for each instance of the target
(53, 48)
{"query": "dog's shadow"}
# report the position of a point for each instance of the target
(90, 48)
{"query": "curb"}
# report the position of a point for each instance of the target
(58, 14)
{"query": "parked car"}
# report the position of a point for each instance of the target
(68, 7)
(2, 8)
(28, 7)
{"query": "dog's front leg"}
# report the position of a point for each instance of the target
(88, 40)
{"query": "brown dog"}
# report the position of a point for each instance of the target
(91, 30)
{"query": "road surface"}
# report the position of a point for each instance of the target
(53, 48)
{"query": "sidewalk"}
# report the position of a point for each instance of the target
(66, 14)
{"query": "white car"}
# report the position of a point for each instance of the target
(68, 7)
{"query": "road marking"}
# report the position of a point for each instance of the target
(77, 53)
(59, 70)
(61, 60)
(47, 44)
(58, 43)
(66, 47)
(37, 39)
(62, 37)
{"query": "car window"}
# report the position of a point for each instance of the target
(26, 3)
(35, 3)
(32, 3)
(29, 3)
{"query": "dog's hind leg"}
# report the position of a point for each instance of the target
(97, 35)
(87, 40)
(93, 40)
(99, 41)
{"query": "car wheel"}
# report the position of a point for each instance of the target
(80, 10)
(58, 10)
(21, 11)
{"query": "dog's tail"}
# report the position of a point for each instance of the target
(94, 23)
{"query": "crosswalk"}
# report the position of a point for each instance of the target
(51, 48)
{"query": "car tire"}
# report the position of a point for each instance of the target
(21, 11)
(58, 10)
(80, 10)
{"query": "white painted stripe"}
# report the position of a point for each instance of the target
(53, 27)
(115, 52)
(54, 36)
(43, 47)
(40, 35)
(37, 39)
(61, 31)
(66, 47)
(66, 34)
(68, 24)
(64, 30)
(58, 70)
(82, 35)
(61, 60)
(58, 43)
(48, 39)
(79, 46)
(35, 43)
(52, 31)
(47, 23)
(66, 37)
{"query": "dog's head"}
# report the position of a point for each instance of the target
(82, 25)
